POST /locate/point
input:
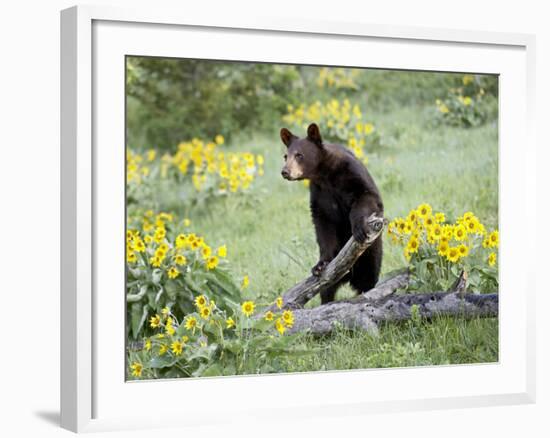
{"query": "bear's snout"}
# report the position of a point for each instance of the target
(285, 173)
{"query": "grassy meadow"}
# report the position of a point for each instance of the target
(269, 235)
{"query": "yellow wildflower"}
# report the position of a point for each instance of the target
(280, 326)
(205, 312)
(443, 249)
(413, 245)
(177, 347)
(269, 315)
(492, 259)
(460, 232)
(463, 250)
(190, 323)
(200, 301)
(424, 210)
(212, 262)
(139, 246)
(222, 251)
(206, 251)
(169, 329)
(493, 239)
(229, 322)
(453, 254)
(154, 321)
(248, 307)
(131, 257)
(173, 272)
(160, 234)
(180, 259)
(181, 241)
(137, 369)
(288, 318)
(155, 261)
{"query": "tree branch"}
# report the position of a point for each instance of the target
(297, 296)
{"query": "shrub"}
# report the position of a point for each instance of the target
(210, 341)
(167, 265)
(438, 251)
(339, 121)
(195, 173)
(467, 105)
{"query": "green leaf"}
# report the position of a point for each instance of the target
(156, 276)
(212, 370)
(163, 361)
(234, 346)
(138, 316)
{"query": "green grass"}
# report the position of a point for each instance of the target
(270, 237)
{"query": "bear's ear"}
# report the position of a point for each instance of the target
(314, 135)
(287, 136)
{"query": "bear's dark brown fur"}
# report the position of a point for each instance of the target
(342, 196)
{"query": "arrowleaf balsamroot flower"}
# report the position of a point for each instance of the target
(137, 369)
(205, 312)
(190, 322)
(177, 347)
(200, 301)
(154, 321)
(212, 262)
(288, 318)
(173, 272)
(248, 307)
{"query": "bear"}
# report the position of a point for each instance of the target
(342, 196)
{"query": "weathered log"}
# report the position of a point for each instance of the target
(366, 315)
(297, 296)
(384, 288)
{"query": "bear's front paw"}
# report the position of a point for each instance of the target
(319, 268)
(359, 233)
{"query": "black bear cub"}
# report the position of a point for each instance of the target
(342, 196)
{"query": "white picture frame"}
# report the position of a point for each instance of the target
(93, 39)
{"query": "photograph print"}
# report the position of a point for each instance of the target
(289, 218)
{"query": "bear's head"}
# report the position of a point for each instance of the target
(303, 155)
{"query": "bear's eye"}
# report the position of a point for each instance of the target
(299, 156)
(284, 156)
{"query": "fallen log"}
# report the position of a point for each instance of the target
(367, 316)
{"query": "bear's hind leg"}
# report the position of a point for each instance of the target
(366, 270)
(328, 295)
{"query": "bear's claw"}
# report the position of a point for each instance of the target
(319, 268)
